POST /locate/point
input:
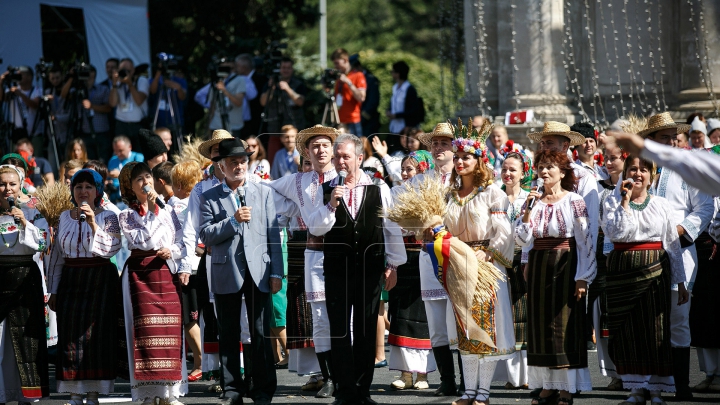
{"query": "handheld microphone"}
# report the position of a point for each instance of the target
(11, 203)
(158, 201)
(341, 177)
(241, 195)
(540, 189)
(83, 217)
(625, 188)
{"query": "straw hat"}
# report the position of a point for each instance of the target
(305, 135)
(661, 121)
(443, 130)
(558, 128)
(217, 136)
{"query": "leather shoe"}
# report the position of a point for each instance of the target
(327, 390)
(368, 401)
(446, 390)
(381, 364)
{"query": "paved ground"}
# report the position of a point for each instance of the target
(289, 391)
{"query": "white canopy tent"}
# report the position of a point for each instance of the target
(114, 28)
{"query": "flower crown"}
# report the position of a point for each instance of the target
(471, 140)
(423, 159)
(511, 147)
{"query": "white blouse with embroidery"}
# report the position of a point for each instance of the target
(74, 239)
(17, 240)
(568, 218)
(652, 223)
(480, 216)
(154, 231)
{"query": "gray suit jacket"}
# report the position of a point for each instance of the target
(257, 242)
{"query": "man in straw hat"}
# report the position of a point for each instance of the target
(366, 250)
(238, 222)
(441, 321)
(211, 361)
(297, 195)
(692, 211)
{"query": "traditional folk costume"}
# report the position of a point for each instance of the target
(438, 309)
(300, 195)
(409, 337)
(364, 246)
(23, 347)
(692, 210)
(87, 287)
(152, 301)
(480, 220)
(706, 335)
(516, 371)
(563, 253)
(645, 262)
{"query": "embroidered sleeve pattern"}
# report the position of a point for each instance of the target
(106, 242)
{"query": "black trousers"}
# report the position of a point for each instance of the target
(261, 367)
(355, 288)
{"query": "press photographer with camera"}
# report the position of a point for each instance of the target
(23, 100)
(129, 95)
(224, 98)
(96, 104)
(284, 100)
(350, 89)
(168, 89)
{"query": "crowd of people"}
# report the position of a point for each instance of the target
(260, 259)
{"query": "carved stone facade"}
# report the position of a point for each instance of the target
(564, 57)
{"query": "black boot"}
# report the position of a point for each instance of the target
(328, 390)
(681, 373)
(446, 367)
(461, 387)
(247, 368)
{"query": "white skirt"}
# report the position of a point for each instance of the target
(142, 390)
(104, 387)
(411, 360)
(430, 287)
(648, 382)
(571, 380)
(303, 361)
(709, 360)
(513, 370)
(607, 367)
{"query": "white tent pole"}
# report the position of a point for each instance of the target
(323, 34)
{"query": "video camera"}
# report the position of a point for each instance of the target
(217, 70)
(168, 63)
(14, 76)
(329, 77)
(272, 59)
(42, 68)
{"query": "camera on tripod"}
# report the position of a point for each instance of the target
(168, 63)
(14, 76)
(272, 58)
(43, 68)
(81, 73)
(218, 69)
(329, 77)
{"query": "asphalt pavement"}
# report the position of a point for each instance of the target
(289, 392)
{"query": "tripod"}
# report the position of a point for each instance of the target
(168, 98)
(7, 123)
(218, 100)
(277, 102)
(331, 111)
(78, 114)
(45, 116)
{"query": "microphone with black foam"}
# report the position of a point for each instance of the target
(341, 177)
(83, 217)
(627, 186)
(540, 188)
(241, 191)
(11, 203)
(158, 201)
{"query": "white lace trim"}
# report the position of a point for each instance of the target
(84, 386)
(164, 389)
(648, 382)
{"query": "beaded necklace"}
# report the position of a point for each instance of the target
(640, 207)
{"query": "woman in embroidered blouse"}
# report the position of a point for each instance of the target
(185, 176)
(24, 233)
(83, 284)
(645, 262)
(516, 175)
(476, 215)
(614, 160)
(561, 265)
(409, 338)
(151, 284)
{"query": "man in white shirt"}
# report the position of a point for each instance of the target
(128, 96)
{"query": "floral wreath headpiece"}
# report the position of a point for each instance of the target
(511, 147)
(424, 160)
(471, 140)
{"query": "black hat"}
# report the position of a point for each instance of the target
(585, 129)
(229, 148)
(153, 145)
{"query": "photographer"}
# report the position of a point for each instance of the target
(350, 91)
(129, 94)
(232, 92)
(97, 107)
(178, 85)
(56, 95)
(284, 102)
(23, 100)
(404, 103)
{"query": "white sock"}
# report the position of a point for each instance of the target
(485, 375)
(470, 374)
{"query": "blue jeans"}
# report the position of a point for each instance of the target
(354, 128)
